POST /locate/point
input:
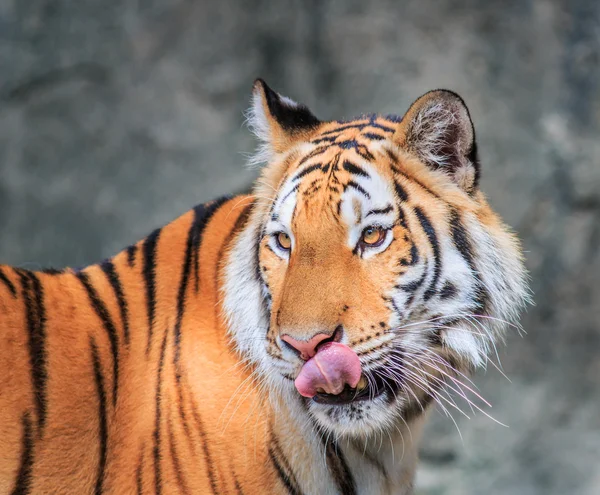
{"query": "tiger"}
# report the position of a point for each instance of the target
(289, 340)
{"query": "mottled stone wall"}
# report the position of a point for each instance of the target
(118, 115)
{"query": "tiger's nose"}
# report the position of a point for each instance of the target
(307, 349)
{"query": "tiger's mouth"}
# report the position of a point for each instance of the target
(334, 376)
(367, 389)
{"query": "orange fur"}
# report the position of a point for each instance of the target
(203, 421)
(129, 377)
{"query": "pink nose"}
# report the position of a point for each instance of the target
(306, 349)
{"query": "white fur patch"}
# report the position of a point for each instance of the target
(243, 299)
(380, 196)
(258, 123)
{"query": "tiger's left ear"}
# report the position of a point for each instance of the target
(438, 129)
(277, 121)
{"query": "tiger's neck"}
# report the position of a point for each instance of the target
(381, 463)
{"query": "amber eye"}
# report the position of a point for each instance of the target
(284, 241)
(373, 236)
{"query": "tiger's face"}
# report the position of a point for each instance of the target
(377, 274)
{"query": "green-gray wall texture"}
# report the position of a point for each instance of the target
(116, 116)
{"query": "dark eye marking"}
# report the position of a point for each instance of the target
(357, 187)
(354, 169)
(381, 211)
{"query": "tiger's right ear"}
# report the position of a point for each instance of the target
(277, 121)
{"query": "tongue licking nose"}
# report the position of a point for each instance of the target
(330, 369)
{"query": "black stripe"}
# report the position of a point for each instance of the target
(36, 323)
(149, 274)
(240, 222)
(360, 149)
(139, 473)
(202, 215)
(338, 130)
(354, 169)
(400, 192)
(402, 218)
(175, 458)
(414, 256)
(107, 323)
(181, 407)
(257, 271)
(317, 151)
(339, 469)
(52, 271)
(381, 126)
(395, 163)
(462, 242)
(327, 139)
(448, 290)
(373, 136)
(433, 240)
(113, 277)
(380, 211)
(358, 187)
(306, 171)
(412, 287)
(23, 481)
(4, 279)
(39, 348)
(290, 485)
(238, 487)
(293, 190)
(336, 462)
(158, 422)
(131, 251)
(102, 428)
(359, 126)
(209, 463)
(285, 464)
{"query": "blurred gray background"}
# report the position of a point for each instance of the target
(118, 115)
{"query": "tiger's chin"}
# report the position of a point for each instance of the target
(361, 418)
(360, 412)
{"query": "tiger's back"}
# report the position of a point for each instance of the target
(118, 375)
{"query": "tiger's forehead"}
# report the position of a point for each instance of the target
(367, 127)
(340, 156)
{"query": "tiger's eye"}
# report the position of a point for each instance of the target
(373, 236)
(284, 241)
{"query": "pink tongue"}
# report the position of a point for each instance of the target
(330, 369)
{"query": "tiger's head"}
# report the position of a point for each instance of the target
(372, 273)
